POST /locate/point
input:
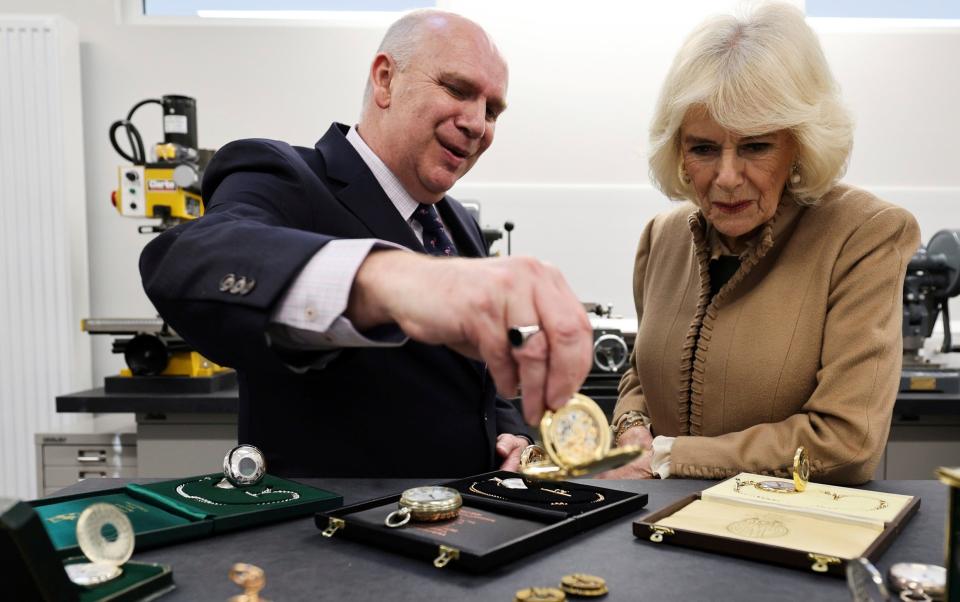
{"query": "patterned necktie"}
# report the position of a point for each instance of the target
(435, 239)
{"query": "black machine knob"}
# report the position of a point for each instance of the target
(146, 355)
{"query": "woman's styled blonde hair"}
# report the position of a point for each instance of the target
(756, 74)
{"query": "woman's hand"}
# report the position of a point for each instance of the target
(639, 468)
(638, 435)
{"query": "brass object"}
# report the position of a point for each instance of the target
(659, 532)
(581, 584)
(577, 440)
(532, 454)
(821, 562)
(446, 555)
(251, 578)
(430, 503)
(801, 476)
(540, 594)
(107, 552)
(923, 383)
(333, 526)
(801, 469)
(627, 420)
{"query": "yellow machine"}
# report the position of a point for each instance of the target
(166, 187)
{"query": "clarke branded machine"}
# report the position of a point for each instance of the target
(164, 186)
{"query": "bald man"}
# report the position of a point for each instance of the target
(347, 289)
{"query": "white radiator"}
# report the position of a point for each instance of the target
(43, 240)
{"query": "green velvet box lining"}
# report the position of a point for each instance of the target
(60, 519)
(161, 515)
(272, 493)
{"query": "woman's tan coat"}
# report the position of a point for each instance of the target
(802, 346)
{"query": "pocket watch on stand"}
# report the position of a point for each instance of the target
(577, 441)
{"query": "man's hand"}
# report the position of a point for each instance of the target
(509, 447)
(639, 468)
(469, 304)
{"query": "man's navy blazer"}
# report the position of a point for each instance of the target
(415, 410)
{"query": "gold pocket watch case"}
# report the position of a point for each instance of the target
(577, 440)
(425, 504)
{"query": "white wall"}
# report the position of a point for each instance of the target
(568, 166)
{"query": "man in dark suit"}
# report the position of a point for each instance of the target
(356, 356)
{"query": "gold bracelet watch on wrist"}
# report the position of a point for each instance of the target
(628, 419)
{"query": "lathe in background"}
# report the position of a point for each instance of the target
(933, 277)
(613, 339)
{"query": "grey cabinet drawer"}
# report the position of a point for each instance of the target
(61, 476)
(90, 455)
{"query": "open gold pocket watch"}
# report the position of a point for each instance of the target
(578, 442)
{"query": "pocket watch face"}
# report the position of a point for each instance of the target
(428, 495)
(577, 433)
(929, 577)
(776, 486)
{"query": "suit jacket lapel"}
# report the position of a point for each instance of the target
(361, 193)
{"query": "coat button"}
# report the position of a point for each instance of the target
(249, 287)
(238, 286)
(227, 282)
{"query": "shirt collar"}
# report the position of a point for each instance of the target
(394, 190)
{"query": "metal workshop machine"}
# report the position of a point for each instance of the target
(164, 186)
(933, 278)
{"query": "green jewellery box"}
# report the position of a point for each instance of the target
(33, 570)
(172, 511)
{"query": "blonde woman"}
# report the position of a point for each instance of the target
(770, 300)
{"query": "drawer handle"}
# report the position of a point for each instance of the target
(92, 455)
(91, 474)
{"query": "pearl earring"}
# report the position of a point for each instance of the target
(795, 174)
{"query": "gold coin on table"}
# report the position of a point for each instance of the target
(540, 594)
(801, 469)
(581, 584)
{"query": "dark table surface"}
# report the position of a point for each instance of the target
(300, 564)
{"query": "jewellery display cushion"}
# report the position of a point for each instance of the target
(760, 518)
(496, 524)
(172, 511)
(34, 571)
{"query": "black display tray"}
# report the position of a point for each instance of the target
(488, 532)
